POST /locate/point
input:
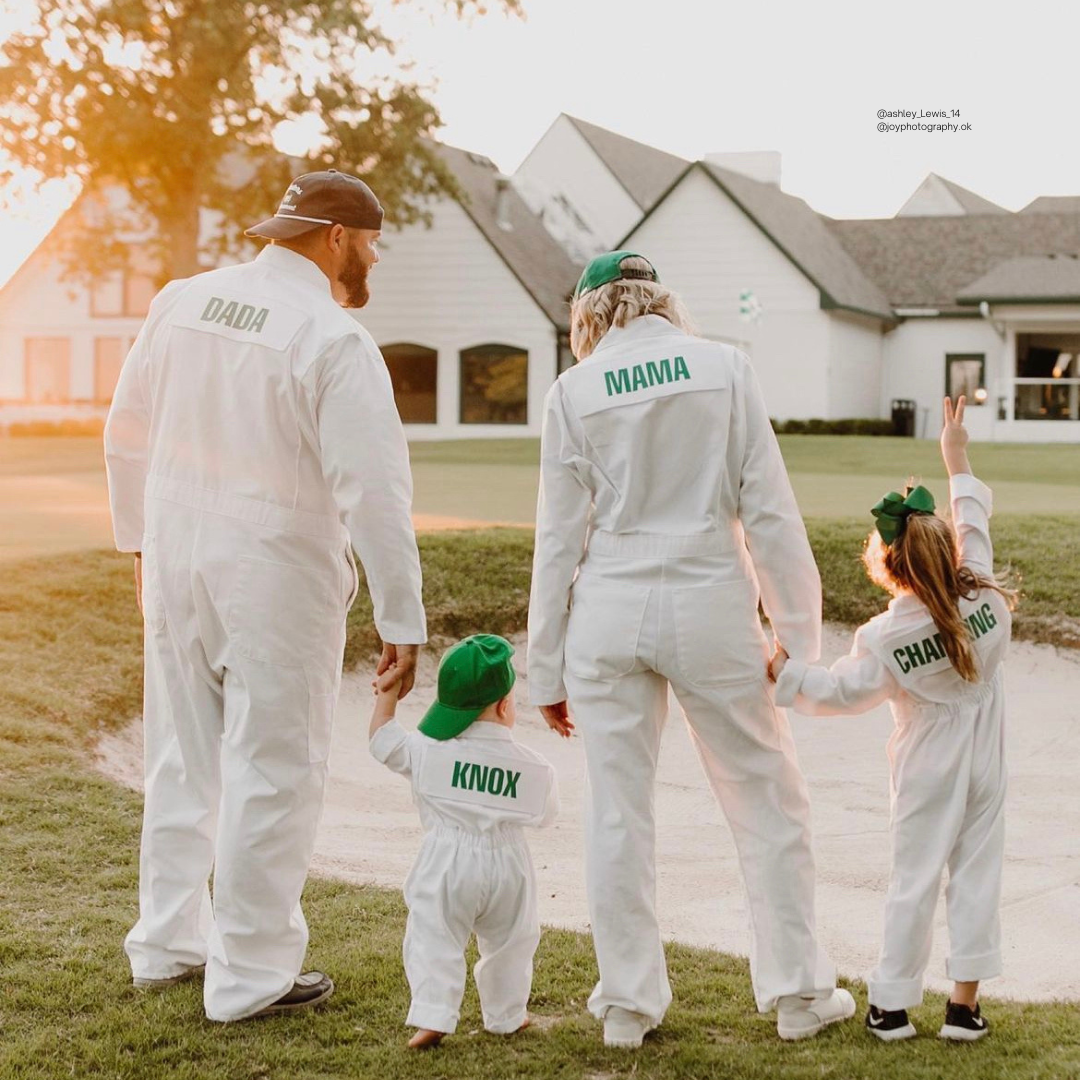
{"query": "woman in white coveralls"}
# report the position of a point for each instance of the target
(665, 512)
(253, 439)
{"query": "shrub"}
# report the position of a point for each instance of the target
(852, 426)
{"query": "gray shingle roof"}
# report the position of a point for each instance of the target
(1053, 204)
(928, 261)
(644, 171)
(527, 248)
(802, 234)
(1029, 278)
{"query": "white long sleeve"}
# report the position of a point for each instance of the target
(562, 524)
(365, 460)
(972, 505)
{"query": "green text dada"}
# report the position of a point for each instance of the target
(490, 779)
(641, 376)
(920, 653)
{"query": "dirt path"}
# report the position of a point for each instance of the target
(370, 831)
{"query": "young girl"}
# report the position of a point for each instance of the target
(936, 656)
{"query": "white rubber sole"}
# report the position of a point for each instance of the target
(906, 1032)
(624, 1030)
(959, 1034)
(842, 1002)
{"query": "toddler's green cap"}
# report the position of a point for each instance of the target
(608, 267)
(473, 674)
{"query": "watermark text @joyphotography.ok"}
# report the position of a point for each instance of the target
(921, 120)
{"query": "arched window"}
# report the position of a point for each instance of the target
(414, 371)
(494, 385)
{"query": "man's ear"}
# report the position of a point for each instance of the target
(336, 238)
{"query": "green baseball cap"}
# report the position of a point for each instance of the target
(473, 674)
(608, 267)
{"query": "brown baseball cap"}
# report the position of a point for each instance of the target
(322, 198)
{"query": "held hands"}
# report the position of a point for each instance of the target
(402, 659)
(954, 437)
(776, 663)
(558, 718)
(386, 688)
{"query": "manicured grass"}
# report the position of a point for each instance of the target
(70, 651)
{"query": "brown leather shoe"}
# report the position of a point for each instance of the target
(311, 988)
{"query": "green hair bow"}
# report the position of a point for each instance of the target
(894, 509)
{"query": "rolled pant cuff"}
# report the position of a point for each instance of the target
(432, 1017)
(896, 994)
(973, 968)
(506, 1027)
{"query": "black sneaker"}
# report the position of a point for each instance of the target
(309, 989)
(889, 1024)
(963, 1024)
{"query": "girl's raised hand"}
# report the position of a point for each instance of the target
(954, 437)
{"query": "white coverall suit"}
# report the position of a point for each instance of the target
(253, 434)
(473, 872)
(947, 765)
(663, 490)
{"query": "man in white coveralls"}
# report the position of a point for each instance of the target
(252, 442)
(665, 512)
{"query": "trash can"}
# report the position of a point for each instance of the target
(903, 417)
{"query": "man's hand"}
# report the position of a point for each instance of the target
(777, 662)
(558, 718)
(954, 437)
(403, 659)
(138, 582)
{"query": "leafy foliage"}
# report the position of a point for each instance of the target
(174, 104)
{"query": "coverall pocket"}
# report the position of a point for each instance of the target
(604, 628)
(718, 636)
(153, 608)
(353, 585)
(280, 613)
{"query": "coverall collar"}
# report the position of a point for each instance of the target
(281, 258)
(486, 729)
(645, 326)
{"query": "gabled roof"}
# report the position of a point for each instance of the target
(928, 261)
(528, 249)
(1053, 204)
(972, 203)
(802, 235)
(1028, 279)
(645, 172)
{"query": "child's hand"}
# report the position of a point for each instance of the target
(558, 718)
(954, 437)
(776, 663)
(386, 688)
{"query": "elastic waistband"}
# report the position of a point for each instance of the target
(661, 545)
(281, 518)
(913, 709)
(503, 836)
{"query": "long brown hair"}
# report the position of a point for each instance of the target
(925, 559)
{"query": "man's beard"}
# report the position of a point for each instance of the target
(354, 277)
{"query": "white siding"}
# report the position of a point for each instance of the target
(708, 251)
(854, 366)
(563, 163)
(915, 368)
(447, 288)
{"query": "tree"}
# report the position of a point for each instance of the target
(175, 102)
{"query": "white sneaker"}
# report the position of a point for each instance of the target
(625, 1028)
(800, 1017)
(161, 984)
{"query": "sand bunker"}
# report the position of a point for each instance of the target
(370, 831)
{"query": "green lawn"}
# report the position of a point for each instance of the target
(70, 652)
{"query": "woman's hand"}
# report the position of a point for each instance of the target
(954, 437)
(776, 663)
(558, 718)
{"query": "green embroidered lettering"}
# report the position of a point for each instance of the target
(665, 371)
(898, 655)
(512, 779)
(640, 382)
(213, 306)
(681, 370)
(652, 369)
(617, 382)
(914, 655)
(930, 650)
(478, 778)
(989, 616)
(495, 780)
(461, 771)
